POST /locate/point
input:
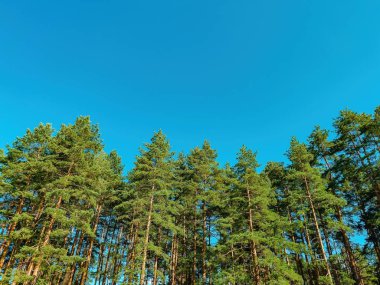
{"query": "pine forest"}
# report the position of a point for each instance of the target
(70, 213)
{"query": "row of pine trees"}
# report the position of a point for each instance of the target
(69, 216)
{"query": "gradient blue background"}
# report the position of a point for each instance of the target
(232, 72)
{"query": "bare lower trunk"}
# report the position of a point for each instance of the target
(155, 267)
(106, 269)
(256, 269)
(312, 256)
(146, 241)
(318, 231)
(355, 271)
(204, 246)
(45, 242)
(89, 251)
(4, 247)
(132, 253)
(116, 257)
(194, 271)
(48, 233)
(174, 260)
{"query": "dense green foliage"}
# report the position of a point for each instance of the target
(69, 216)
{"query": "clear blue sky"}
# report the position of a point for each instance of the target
(233, 72)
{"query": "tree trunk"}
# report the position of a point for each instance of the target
(69, 276)
(4, 247)
(70, 269)
(106, 269)
(297, 256)
(194, 271)
(174, 260)
(45, 242)
(116, 256)
(355, 271)
(312, 257)
(132, 253)
(48, 233)
(146, 241)
(89, 251)
(318, 231)
(204, 246)
(256, 269)
(155, 267)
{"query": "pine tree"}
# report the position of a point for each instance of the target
(70, 198)
(27, 170)
(358, 165)
(152, 204)
(261, 230)
(202, 179)
(322, 150)
(308, 184)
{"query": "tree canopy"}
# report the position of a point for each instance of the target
(70, 214)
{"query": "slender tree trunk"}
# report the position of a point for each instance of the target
(355, 271)
(58, 275)
(45, 242)
(183, 275)
(69, 277)
(334, 272)
(4, 247)
(204, 246)
(194, 271)
(89, 251)
(312, 257)
(99, 270)
(233, 259)
(174, 260)
(256, 269)
(297, 256)
(107, 265)
(12, 259)
(132, 253)
(48, 233)
(146, 241)
(70, 269)
(116, 256)
(318, 231)
(155, 267)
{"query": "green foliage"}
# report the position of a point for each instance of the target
(68, 215)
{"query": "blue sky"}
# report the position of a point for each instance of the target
(233, 72)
